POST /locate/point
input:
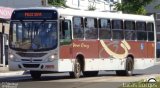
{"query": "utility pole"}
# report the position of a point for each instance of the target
(3, 46)
(45, 3)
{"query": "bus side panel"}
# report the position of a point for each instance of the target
(151, 50)
(65, 58)
(143, 57)
(138, 49)
(116, 53)
(65, 51)
(89, 49)
(98, 58)
(110, 53)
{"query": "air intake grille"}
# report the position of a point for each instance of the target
(31, 54)
(31, 65)
(30, 60)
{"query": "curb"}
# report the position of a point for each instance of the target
(16, 73)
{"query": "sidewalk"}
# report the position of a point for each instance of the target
(4, 71)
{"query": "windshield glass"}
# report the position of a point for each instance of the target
(33, 35)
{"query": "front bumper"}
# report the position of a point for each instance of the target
(43, 66)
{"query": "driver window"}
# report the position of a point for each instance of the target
(65, 32)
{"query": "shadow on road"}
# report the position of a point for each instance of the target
(52, 77)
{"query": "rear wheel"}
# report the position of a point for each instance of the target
(35, 75)
(90, 73)
(77, 70)
(129, 68)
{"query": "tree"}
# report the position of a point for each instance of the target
(157, 6)
(57, 3)
(92, 6)
(133, 6)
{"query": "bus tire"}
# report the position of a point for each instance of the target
(129, 68)
(90, 73)
(35, 75)
(77, 70)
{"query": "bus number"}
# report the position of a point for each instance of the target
(33, 14)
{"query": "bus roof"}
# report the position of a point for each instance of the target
(97, 14)
(110, 15)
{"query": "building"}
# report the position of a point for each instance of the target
(99, 5)
(5, 14)
(151, 10)
(20, 3)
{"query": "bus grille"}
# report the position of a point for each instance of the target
(29, 60)
(31, 54)
(31, 65)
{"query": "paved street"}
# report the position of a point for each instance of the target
(62, 80)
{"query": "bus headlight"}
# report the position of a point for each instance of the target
(51, 58)
(13, 57)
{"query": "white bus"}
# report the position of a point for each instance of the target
(67, 40)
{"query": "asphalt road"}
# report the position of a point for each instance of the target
(62, 80)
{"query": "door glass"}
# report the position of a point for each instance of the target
(65, 33)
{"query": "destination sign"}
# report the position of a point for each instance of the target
(34, 15)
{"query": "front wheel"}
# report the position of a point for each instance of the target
(77, 70)
(35, 75)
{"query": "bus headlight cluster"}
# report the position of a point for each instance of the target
(50, 58)
(13, 57)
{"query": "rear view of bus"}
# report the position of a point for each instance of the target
(33, 40)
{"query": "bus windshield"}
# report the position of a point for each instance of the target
(32, 35)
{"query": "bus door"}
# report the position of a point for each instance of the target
(65, 39)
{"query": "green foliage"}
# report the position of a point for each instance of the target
(57, 3)
(157, 6)
(132, 6)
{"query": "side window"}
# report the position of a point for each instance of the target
(130, 33)
(141, 31)
(117, 29)
(104, 29)
(91, 31)
(78, 31)
(65, 32)
(150, 31)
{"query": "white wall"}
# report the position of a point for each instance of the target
(20, 3)
(101, 5)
